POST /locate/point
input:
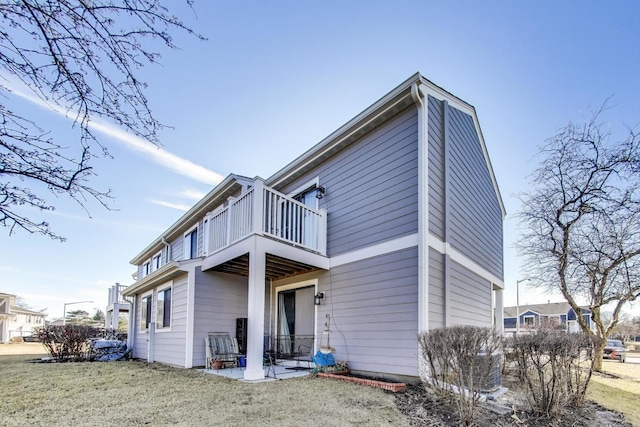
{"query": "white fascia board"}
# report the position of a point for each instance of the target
(161, 275)
(193, 214)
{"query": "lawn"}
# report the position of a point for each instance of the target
(620, 391)
(135, 393)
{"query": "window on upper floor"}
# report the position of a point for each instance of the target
(163, 308)
(191, 244)
(145, 312)
(156, 261)
(146, 268)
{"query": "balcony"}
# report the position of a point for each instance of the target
(115, 295)
(265, 212)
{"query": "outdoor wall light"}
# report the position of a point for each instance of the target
(320, 191)
(318, 297)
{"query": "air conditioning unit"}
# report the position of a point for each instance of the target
(493, 380)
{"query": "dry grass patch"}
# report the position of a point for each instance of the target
(615, 399)
(34, 348)
(132, 393)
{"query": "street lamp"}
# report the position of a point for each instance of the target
(64, 310)
(518, 305)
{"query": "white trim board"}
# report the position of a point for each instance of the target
(410, 241)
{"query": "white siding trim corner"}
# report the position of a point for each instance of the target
(191, 300)
(466, 262)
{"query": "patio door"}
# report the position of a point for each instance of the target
(307, 224)
(295, 320)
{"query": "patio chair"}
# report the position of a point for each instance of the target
(221, 348)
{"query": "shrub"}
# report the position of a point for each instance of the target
(457, 363)
(555, 367)
(67, 342)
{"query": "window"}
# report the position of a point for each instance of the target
(155, 261)
(163, 314)
(145, 313)
(529, 320)
(146, 268)
(191, 244)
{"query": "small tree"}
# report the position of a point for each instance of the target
(77, 317)
(581, 222)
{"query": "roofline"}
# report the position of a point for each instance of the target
(400, 96)
(16, 309)
(191, 215)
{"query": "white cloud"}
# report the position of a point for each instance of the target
(192, 194)
(159, 155)
(178, 206)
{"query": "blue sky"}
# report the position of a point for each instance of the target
(274, 78)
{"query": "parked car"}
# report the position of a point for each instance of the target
(614, 349)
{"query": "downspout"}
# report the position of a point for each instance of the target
(168, 247)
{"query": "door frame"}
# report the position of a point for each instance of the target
(297, 285)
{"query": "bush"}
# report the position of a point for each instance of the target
(555, 367)
(67, 343)
(457, 363)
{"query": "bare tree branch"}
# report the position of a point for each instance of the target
(581, 220)
(82, 55)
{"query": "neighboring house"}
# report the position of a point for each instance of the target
(390, 226)
(17, 321)
(553, 315)
(116, 304)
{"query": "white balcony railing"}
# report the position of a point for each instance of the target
(115, 294)
(264, 211)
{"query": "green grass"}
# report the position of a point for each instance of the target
(617, 400)
(134, 393)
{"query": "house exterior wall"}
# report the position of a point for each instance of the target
(169, 343)
(372, 201)
(22, 323)
(436, 168)
(436, 290)
(475, 215)
(470, 298)
(219, 300)
(374, 312)
(372, 186)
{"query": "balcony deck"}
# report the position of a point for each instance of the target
(263, 212)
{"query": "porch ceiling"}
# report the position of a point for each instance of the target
(277, 267)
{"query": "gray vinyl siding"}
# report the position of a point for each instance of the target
(140, 344)
(169, 343)
(219, 300)
(372, 186)
(373, 305)
(470, 297)
(436, 169)
(436, 290)
(475, 215)
(177, 249)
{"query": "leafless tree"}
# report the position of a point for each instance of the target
(80, 56)
(581, 221)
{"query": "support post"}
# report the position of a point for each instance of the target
(255, 315)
